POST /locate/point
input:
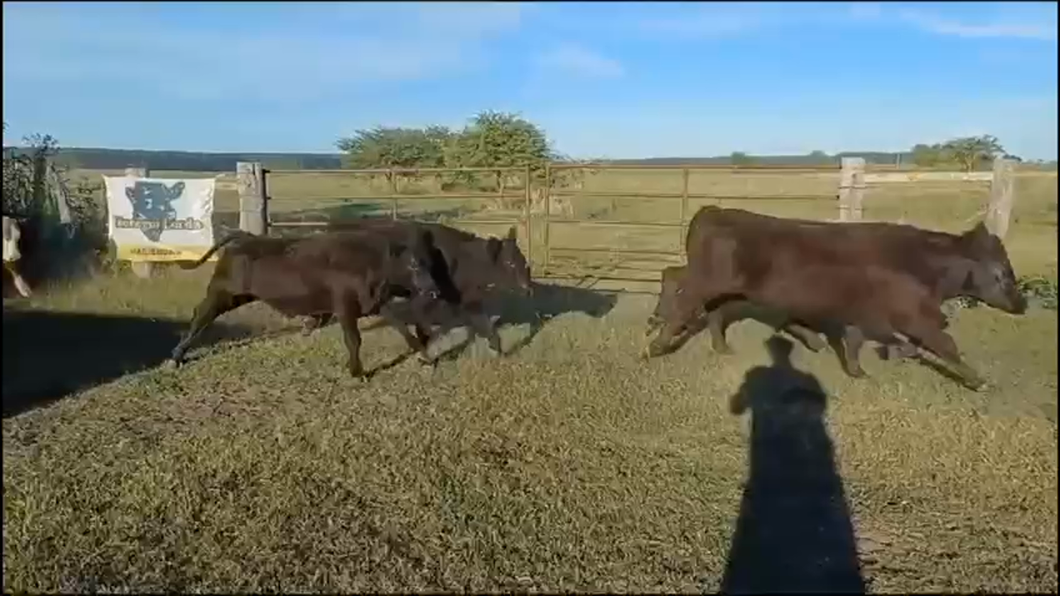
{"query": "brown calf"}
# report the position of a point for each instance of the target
(346, 273)
(468, 269)
(673, 277)
(887, 279)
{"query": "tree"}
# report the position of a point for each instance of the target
(501, 140)
(969, 152)
(436, 142)
(383, 147)
(494, 140)
(929, 156)
(739, 158)
(819, 157)
(25, 174)
(34, 184)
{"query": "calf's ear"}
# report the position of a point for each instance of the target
(493, 249)
(979, 237)
(426, 238)
(511, 234)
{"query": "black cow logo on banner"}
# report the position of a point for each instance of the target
(153, 201)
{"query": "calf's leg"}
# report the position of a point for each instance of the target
(416, 343)
(421, 309)
(853, 339)
(216, 303)
(899, 350)
(16, 277)
(940, 343)
(348, 312)
(482, 326)
(314, 322)
(718, 326)
(807, 336)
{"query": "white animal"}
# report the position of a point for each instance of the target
(12, 234)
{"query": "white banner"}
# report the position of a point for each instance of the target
(160, 219)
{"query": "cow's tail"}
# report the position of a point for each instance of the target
(233, 235)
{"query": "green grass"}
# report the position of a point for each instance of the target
(569, 465)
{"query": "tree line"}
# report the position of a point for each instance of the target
(967, 153)
(495, 139)
(492, 141)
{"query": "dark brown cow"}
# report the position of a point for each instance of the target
(880, 279)
(673, 277)
(346, 273)
(728, 312)
(469, 269)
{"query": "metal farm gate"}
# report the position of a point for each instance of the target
(654, 259)
(835, 193)
(311, 203)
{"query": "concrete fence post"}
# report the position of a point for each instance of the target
(253, 197)
(1002, 197)
(851, 188)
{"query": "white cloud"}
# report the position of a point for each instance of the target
(581, 61)
(995, 29)
(707, 23)
(383, 43)
(472, 18)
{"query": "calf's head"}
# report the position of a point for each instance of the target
(509, 262)
(990, 277)
(412, 263)
(671, 283)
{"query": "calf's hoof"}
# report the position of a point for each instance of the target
(856, 373)
(900, 352)
(426, 360)
(653, 350)
(172, 364)
(816, 345)
(723, 349)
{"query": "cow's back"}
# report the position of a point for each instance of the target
(755, 242)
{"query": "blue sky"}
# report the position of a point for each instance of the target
(604, 80)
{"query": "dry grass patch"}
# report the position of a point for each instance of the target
(569, 466)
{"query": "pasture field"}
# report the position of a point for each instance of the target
(951, 206)
(569, 464)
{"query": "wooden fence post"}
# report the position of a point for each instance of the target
(547, 218)
(142, 269)
(253, 198)
(851, 188)
(527, 210)
(684, 206)
(1002, 197)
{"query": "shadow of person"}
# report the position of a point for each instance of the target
(794, 532)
